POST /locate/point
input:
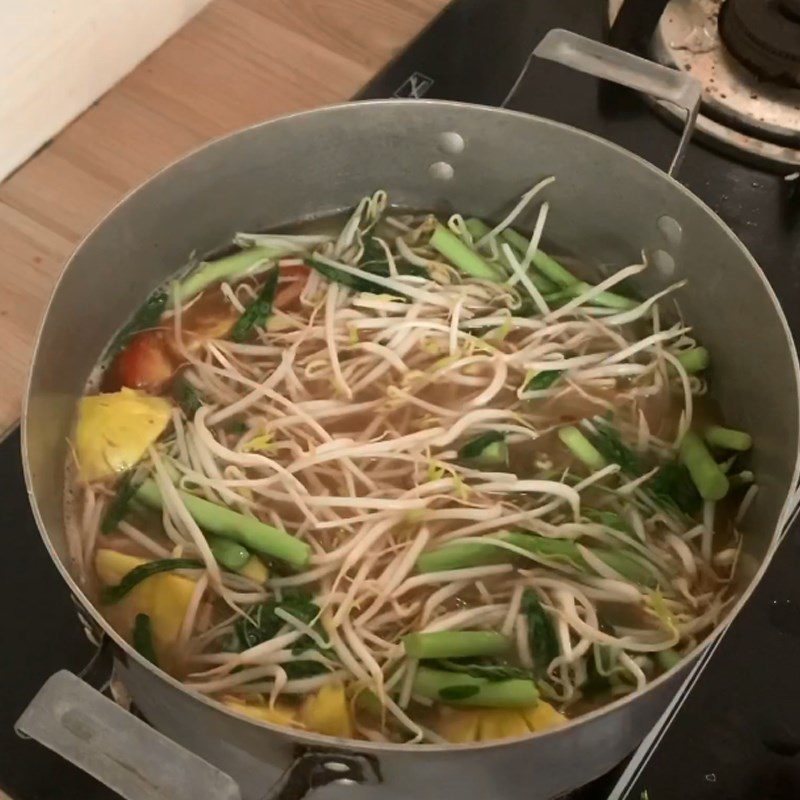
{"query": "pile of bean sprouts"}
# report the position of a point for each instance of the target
(355, 404)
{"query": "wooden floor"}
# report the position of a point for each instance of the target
(237, 62)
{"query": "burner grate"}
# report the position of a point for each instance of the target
(765, 36)
(740, 114)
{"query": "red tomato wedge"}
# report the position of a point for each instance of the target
(151, 357)
(145, 363)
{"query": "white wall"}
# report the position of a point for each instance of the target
(58, 56)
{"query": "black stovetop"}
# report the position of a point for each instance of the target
(738, 735)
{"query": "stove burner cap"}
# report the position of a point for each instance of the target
(765, 36)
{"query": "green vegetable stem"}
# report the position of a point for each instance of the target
(230, 268)
(248, 531)
(559, 276)
(228, 553)
(581, 448)
(460, 254)
(728, 438)
(480, 553)
(455, 644)
(710, 480)
(458, 688)
(695, 360)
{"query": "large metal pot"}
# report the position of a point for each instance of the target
(606, 202)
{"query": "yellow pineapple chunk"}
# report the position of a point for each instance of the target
(163, 597)
(327, 712)
(279, 714)
(467, 725)
(114, 430)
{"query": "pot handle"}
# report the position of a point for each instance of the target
(91, 731)
(603, 61)
(313, 769)
(124, 753)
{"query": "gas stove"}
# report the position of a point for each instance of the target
(737, 737)
(750, 77)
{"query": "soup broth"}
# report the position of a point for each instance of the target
(402, 478)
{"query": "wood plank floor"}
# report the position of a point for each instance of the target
(237, 62)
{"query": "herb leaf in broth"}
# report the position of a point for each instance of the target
(671, 487)
(608, 518)
(458, 692)
(359, 284)
(672, 484)
(474, 447)
(257, 313)
(186, 396)
(374, 256)
(113, 594)
(355, 282)
(543, 380)
(596, 684)
(263, 624)
(147, 316)
(303, 668)
(142, 638)
(608, 441)
(119, 506)
(542, 637)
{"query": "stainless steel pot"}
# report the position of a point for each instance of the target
(606, 202)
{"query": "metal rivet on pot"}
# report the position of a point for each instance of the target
(451, 142)
(337, 766)
(441, 170)
(670, 229)
(664, 263)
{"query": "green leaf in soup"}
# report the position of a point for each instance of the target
(596, 684)
(295, 670)
(543, 380)
(142, 638)
(354, 282)
(475, 447)
(359, 284)
(147, 316)
(186, 396)
(673, 484)
(263, 624)
(541, 633)
(118, 509)
(257, 313)
(113, 594)
(608, 441)
(374, 254)
(458, 692)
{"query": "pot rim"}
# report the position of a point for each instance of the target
(378, 748)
